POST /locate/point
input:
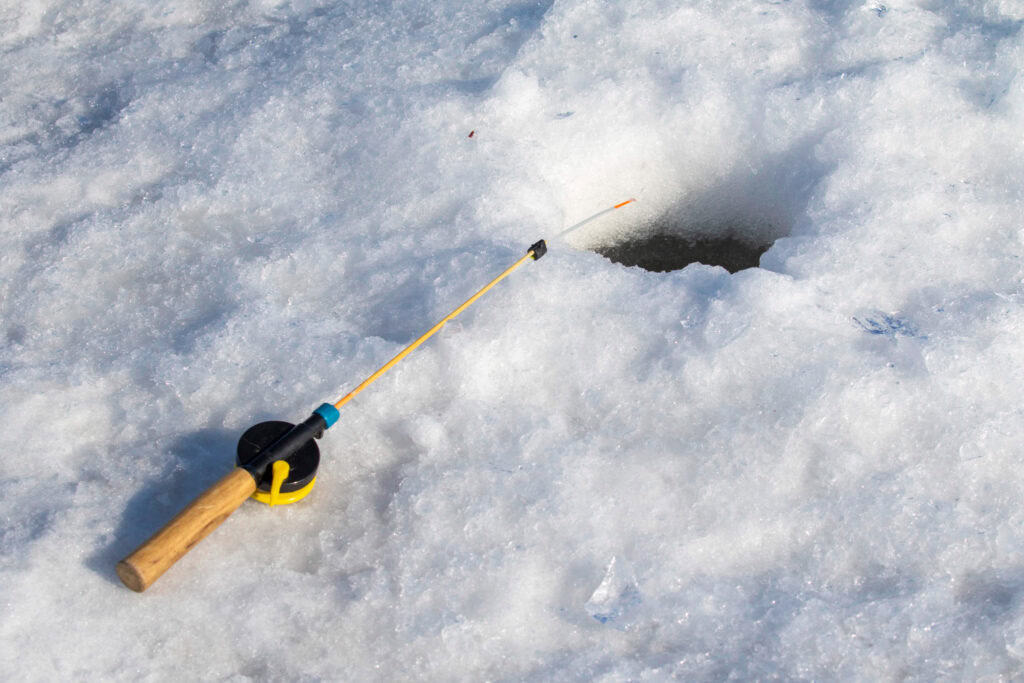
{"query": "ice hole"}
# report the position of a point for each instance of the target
(730, 223)
(728, 220)
(663, 250)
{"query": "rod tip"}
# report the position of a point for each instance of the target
(628, 201)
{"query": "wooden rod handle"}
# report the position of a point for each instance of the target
(139, 570)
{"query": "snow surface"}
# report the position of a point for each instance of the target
(218, 213)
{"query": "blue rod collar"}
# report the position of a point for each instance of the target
(329, 413)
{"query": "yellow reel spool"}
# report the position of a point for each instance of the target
(275, 496)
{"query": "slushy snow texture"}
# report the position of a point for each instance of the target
(213, 215)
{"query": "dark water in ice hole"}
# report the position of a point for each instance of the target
(662, 252)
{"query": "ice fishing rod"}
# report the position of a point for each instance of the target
(276, 461)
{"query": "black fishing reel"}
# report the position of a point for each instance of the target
(283, 458)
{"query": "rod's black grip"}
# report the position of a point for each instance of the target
(539, 249)
(293, 439)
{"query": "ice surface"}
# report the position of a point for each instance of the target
(217, 214)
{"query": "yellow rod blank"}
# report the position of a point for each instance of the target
(412, 347)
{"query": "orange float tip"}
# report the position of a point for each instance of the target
(628, 201)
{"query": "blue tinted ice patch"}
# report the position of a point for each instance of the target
(617, 607)
(615, 600)
(887, 325)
